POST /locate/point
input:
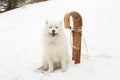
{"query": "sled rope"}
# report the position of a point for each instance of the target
(86, 47)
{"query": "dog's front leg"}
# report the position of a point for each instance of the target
(51, 67)
(64, 66)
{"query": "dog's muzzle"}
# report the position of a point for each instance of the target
(53, 33)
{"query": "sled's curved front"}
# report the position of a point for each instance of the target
(76, 33)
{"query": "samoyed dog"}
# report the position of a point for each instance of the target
(55, 47)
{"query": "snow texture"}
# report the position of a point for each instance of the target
(20, 40)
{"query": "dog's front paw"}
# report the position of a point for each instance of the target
(50, 71)
(64, 69)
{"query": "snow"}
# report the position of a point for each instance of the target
(20, 40)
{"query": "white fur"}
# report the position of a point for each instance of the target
(55, 48)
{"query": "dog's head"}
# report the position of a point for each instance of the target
(53, 27)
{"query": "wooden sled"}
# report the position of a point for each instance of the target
(76, 33)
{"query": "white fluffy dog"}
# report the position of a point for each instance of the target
(55, 47)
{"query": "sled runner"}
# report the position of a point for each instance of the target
(76, 33)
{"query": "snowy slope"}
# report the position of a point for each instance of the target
(20, 40)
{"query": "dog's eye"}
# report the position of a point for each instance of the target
(56, 27)
(50, 27)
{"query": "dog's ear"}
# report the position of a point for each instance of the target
(46, 22)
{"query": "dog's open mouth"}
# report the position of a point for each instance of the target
(53, 34)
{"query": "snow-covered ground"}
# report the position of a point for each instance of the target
(20, 40)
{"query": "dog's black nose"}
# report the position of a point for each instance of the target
(53, 31)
